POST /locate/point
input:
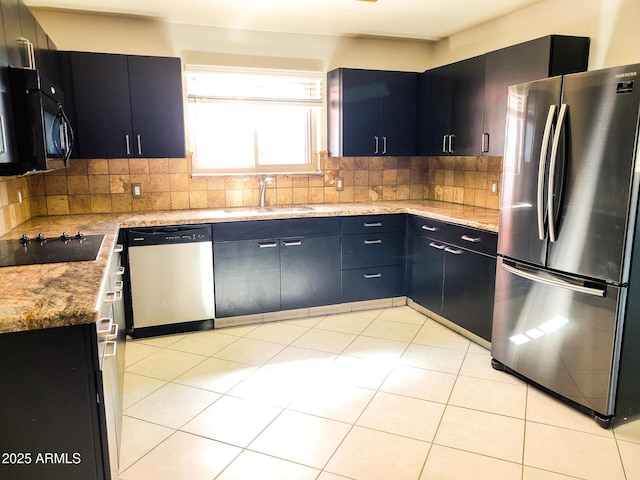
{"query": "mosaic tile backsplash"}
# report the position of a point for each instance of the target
(104, 186)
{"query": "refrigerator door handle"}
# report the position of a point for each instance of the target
(552, 172)
(596, 292)
(541, 170)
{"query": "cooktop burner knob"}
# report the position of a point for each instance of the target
(65, 236)
(41, 238)
(80, 235)
(24, 240)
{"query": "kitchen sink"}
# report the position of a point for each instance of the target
(266, 210)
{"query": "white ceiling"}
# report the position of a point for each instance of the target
(418, 19)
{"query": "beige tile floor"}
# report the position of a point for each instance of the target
(380, 394)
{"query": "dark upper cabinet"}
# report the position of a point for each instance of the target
(544, 57)
(371, 112)
(128, 106)
(462, 106)
(450, 111)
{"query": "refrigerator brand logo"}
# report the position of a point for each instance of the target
(625, 87)
(626, 75)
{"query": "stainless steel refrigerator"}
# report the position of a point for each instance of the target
(566, 315)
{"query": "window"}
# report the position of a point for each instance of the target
(250, 120)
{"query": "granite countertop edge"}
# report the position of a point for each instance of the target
(60, 294)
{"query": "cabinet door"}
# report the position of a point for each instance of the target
(103, 112)
(247, 277)
(7, 142)
(467, 102)
(425, 268)
(13, 31)
(398, 97)
(157, 114)
(434, 111)
(372, 283)
(310, 271)
(360, 112)
(469, 279)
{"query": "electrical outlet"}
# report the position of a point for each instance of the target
(339, 184)
(19, 196)
(136, 190)
(494, 187)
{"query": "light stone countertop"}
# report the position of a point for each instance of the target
(58, 294)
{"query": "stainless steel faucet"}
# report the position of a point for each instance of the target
(263, 189)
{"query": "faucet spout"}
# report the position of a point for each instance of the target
(264, 181)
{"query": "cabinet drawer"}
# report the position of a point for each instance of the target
(369, 249)
(373, 223)
(427, 227)
(473, 239)
(372, 283)
(283, 228)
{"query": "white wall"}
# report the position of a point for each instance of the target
(612, 25)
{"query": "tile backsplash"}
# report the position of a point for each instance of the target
(104, 186)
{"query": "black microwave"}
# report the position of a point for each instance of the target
(41, 127)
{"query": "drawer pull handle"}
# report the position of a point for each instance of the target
(118, 286)
(429, 229)
(120, 271)
(110, 349)
(118, 248)
(113, 296)
(268, 245)
(372, 275)
(293, 244)
(375, 224)
(104, 326)
(470, 239)
(372, 242)
(451, 250)
(438, 246)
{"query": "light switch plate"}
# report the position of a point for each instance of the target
(136, 190)
(340, 184)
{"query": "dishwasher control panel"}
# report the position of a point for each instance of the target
(168, 235)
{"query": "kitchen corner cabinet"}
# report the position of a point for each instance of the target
(128, 106)
(49, 405)
(451, 272)
(462, 106)
(371, 112)
(372, 257)
(271, 265)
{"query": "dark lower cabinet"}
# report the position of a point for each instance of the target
(296, 264)
(451, 272)
(247, 277)
(50, 402)
(467, 298)
(373, 257)
(425, 272)
(310, 272)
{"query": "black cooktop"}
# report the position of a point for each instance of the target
(40, 249)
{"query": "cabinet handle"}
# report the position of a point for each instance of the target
(126, 138)
(119, 271)
(436, 245)
(3, 143)
(485, 142)
(470, 239)
(384, 145)
(103, 327)
(451, 250)
(376, 144)
(113, 296)
(372, 242)
(139, 145)
(372, 275)
(31, 58)
(451, 137)
(292, 244)
(268, 245)
(429, 229)
(376, 224)
(110, 349)
(119, 286)
(119, 248)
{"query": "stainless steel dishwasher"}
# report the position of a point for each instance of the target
(171, 271)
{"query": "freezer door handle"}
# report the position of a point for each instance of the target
(541, 169)
(596, 292)
(552, 172)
